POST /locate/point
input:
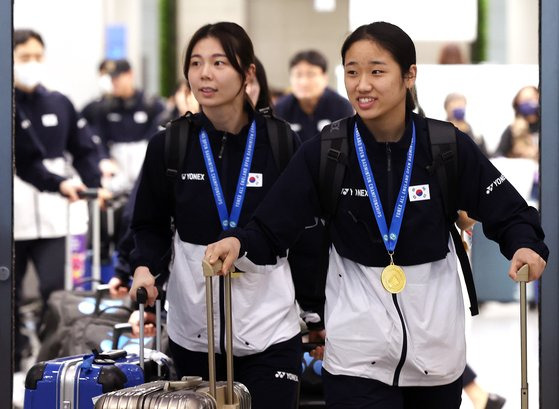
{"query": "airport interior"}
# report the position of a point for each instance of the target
(482, 55)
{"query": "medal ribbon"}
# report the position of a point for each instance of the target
(229, 221)
(389, 237)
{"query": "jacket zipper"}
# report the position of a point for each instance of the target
(390, 208)
(223, 143)
(404, 343)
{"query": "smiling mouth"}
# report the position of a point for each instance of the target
(365, 100)
(207, 90)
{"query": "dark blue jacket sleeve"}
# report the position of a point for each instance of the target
(487, 196)
(290, 206)
(29, 160)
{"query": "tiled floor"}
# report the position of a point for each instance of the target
(493, 352)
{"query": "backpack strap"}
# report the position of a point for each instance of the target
(445, 164)
(443, 149)
(280, 137)
(334, 151)
(176, 141)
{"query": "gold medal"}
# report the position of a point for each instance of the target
(393, 279)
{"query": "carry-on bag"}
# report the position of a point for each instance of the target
(72, 382)
(190, 392)
(66, 307)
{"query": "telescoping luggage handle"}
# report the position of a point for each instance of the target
(91, 195)
(522, 278)
(209, 272)
(142, 297)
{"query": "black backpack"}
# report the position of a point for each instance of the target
(177, 131)
(334, 160)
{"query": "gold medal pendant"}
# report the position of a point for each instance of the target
(393, 279)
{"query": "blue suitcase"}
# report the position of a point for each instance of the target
(72, 382)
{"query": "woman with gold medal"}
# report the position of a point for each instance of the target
(394, 315)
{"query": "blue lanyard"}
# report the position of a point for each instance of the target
(390, 237)
(227, 220)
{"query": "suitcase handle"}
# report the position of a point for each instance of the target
(113, 355)
(210, 271)
(89, 194)
(522, 276)
(187, 382)
(142, 297)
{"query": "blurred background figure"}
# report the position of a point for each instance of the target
(179, 103)
(105, 83)
(521, 138)
(455, 107)
(41, 218)
(451, 53)
(312, 104)
(125, 119)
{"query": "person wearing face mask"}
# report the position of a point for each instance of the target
(455, 107)
(124, 119)
(48, 120)
(311, 105)
(521, 138)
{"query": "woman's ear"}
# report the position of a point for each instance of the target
(409, 77)
(250, 74)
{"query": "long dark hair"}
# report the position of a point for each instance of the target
(264, 99)
(394, 40)
(235, 42)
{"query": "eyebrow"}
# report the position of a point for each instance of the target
(213, 55)
(373, 62)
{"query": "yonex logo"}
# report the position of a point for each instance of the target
(287, 375)
(347, 191)
(193, 176)
(495, 183)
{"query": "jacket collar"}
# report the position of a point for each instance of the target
(370, 142)
(211, 131)
(28, 96)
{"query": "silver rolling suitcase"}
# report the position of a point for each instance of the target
(190, 392)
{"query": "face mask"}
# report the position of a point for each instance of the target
(29, 74)
(459, 113)
(105, 84)
(528, 108)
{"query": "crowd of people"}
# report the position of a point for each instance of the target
(395, 342)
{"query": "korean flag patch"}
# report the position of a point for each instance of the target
(419, 192)
(254, 180)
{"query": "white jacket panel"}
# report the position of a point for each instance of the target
(364, 330)
(45, 214)
(264, 308)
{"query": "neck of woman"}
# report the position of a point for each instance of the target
(230, 118)
(389, 128)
